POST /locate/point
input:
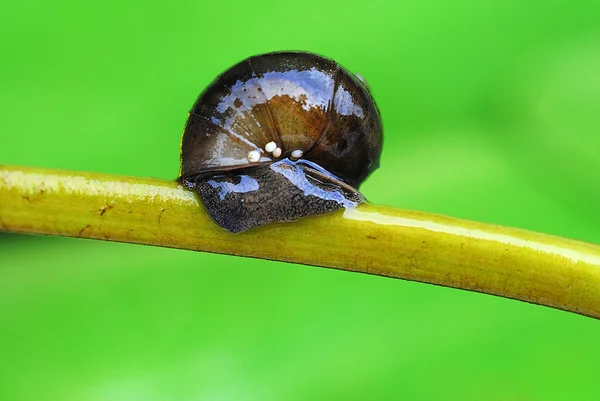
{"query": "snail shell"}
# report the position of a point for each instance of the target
(278, 137)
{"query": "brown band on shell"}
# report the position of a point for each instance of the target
(278, 137)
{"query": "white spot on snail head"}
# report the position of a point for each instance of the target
(253, 156)
(297, 154)
(270, 147)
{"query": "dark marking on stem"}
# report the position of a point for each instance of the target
(160, 215)
(413, 260)
(505, 282)
(80, 233)
(371, 237)
(105, 209)
(34, 197)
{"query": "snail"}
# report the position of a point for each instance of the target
(278, 137)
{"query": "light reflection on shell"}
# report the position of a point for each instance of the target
(304, 103)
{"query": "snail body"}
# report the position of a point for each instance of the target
(278, 137)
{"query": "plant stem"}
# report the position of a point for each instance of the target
(512, 263)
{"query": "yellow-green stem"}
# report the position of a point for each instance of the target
(512, 263)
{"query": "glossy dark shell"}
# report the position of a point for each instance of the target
(300, 101)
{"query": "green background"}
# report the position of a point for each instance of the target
(491, 112)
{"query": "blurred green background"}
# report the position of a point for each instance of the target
(491, 112)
